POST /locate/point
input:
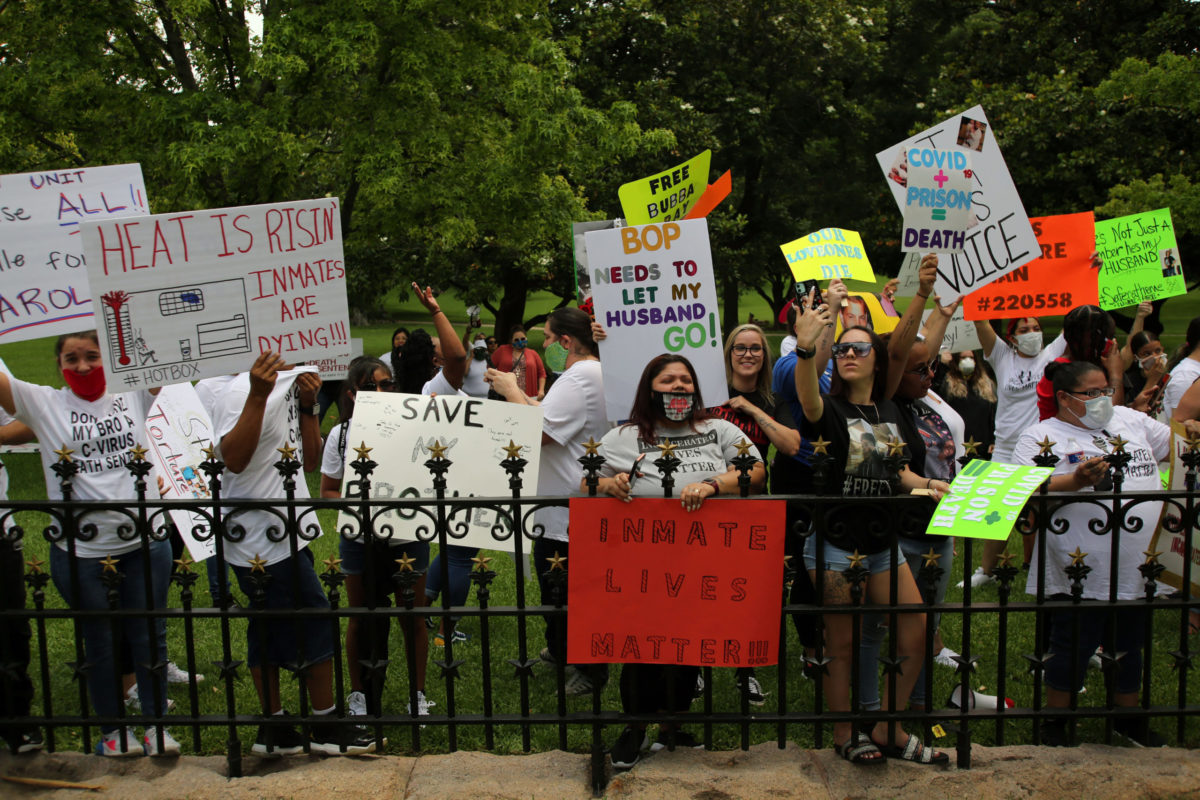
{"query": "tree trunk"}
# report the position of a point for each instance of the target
(511, 310)
(729, 297)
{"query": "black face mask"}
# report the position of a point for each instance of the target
(479, 353)
(676, 406)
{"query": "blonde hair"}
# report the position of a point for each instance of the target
(956, 382)
(762, 384)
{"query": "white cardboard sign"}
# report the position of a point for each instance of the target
(400, 429)
(198, 294)
(178, 429)
(43, 279)
(654, 292)
(1001, 238)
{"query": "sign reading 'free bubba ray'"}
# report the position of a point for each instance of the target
(999, 238)
(199, 294)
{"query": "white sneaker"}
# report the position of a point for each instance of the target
(979, 578)
(110, 744)
(356, 704)
(698, 692)
(423, 705)
(135, 705)
(945, 657)
(150, 741)
(177, 675)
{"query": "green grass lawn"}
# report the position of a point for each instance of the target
(33, 361)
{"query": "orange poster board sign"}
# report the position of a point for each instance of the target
(1050, 286)
(653, 584)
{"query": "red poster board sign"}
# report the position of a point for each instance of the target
(1050, 286)
(653, 584)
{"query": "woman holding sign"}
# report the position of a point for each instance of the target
(667, 411)
(76, 423)
(857, 423)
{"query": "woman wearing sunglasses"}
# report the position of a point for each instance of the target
(858, 423)
(369, 566)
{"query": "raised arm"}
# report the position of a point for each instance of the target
(454, 355)
(238, 446)
(6, 395)
(905, 335)
(810, 326)
(835, 296)
(934, 329)
(987, 336)
(1139, 324)
(308, 384)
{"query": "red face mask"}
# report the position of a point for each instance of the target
(89, 386)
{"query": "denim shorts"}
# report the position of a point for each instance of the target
(354, 555)
(287, 641)
(837, 559)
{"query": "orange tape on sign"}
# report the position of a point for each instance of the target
(712, 197)
(1050, 286)
(653, 584)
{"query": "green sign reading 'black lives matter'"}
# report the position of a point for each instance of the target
(984, 500)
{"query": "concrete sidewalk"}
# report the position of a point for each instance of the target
(1088, 771)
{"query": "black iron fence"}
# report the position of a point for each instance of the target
(520, 701)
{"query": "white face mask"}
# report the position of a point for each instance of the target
(1148, 363)
(1030, 343)
(1098, 411)
(966, 366)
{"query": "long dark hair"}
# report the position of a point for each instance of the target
(573, 322)
(837, 387)
(646, 414)
(1190, 343)
(413, 366)
(1086, 330)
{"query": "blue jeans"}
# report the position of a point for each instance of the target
(875, 626)
(104, 684)
(459, 566)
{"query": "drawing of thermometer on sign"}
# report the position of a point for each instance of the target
(116, 318)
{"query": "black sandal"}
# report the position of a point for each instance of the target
(915, 751)
(859, 749)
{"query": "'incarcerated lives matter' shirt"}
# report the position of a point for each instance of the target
(704, 452)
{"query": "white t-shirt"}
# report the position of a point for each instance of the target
(572, 412)
(439, 385)
(1186, 373)
(953, 420)
(209, 390)
(101, 433)
(705, 452)
(1016, 391)
(787, 345)
(1148, 443)
(473, 382)
(260, 480)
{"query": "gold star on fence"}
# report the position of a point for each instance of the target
(971, 446)
(481, 562)
(743, 447)
(1005, 558)
(362, 450)
(436, 450)
(333, 564)
(210, 452)
(406, 563)
(666, 448)
(35, 565)
(138, 452)
(64, 453)
(821, 446)
(556, 562)
(184, 563)
(109, 563)
(591, 446)
(287, 452)
(1151, 556)
(258, 564)
(1192, 443)
(787, 561)
(1077, 557)
(1118, 443)
(513, 450)
(1046, 447)
(857, 559)
(895, 446)
(931, 558)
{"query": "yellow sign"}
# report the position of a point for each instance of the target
(665, 196)
(829, 253)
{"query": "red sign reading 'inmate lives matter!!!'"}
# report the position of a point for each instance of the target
(654, 584)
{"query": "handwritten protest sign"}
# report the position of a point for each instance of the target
(1141, 259)
(1000, 239)
(960, 333)
(1172, 544)
(828, 253)
(984, 500)
(200, 293)
(653, 584)
(1050, 285)
(400, 429)
(665, 196)
(43, 280)
(178, 429)
(654, 292)
(937, 200)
